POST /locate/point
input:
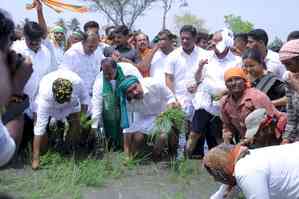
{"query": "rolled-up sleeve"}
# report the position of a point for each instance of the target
(42, 118)
(170, 65)
(97, 102)
(83, 94)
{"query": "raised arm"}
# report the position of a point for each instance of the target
(41, 18)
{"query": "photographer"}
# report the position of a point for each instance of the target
(15, 71)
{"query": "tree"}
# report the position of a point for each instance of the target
(73, 24)
(189, 19)
(122, 12)
(167, 5)
(276, 44)
(236, 24)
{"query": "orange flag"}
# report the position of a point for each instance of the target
(59, 6)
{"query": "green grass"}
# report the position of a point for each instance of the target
(63, 176)
(66, 177)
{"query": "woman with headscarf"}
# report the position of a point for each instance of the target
(262, 79)
(289, 56)
(240, 101)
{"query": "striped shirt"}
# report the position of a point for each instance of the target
(292, 128)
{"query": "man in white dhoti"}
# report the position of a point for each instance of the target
(61, 94)
(147, 99)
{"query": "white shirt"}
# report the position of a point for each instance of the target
(48, 107)
(7, 145)
(86, 66)
(50, 47)
(213, 80)
(274, 65)
(157, 69)
(155, 98)
(42, 65)
(58, 53)
(183, 67)
(97, 98)
(270, 172)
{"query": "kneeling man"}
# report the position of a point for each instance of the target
(61, 94)
(147, 99)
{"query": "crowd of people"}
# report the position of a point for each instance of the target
(231, 87)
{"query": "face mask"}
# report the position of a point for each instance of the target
(220, 47)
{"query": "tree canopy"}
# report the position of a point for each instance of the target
(122, 12)
(189, 19)
(236, 24)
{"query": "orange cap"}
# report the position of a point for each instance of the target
(234, 72)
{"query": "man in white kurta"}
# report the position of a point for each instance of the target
(84, 59)
(267, 173)
(182, 67)
(48, 105)
(41, 64)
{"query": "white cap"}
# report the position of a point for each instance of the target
(253, 122)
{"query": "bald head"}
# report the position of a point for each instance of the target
(109, 66)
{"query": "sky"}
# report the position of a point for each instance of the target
(277, 17)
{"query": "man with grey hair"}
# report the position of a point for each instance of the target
(264, 173)
(206, 123)
(82, 59)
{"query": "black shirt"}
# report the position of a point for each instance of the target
(125, 51)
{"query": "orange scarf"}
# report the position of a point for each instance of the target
(233, 157)
(59, 6)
